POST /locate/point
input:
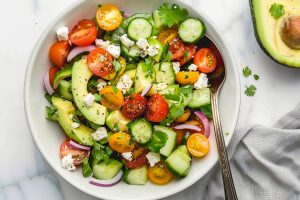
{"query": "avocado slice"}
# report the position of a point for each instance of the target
(116, 121)
(145, 75)
(80, 77)
(268, 30)
(65, 108)
(62, 74)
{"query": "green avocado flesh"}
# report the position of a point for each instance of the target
(268, 30)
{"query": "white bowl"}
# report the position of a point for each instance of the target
(48, 135)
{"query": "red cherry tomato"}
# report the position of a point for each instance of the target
(100, 62)
(59, 52)
(134, 106)
(139, 158)
(158, 108)
(188, 54)
(52, 73)
(206, 60)
(77, 154)
(176, 48)
(84, 33)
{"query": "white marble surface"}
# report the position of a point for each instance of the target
(23, 172)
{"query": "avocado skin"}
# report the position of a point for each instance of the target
(259, 40)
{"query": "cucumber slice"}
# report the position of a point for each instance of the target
(191, 30)
(125, 22)
(200, 98)
(179, 162)
(141, 130)
(132, 54)
(64, 90)
(137, 176)
(139, 28)
(167, 149)
(107, 170)
(164, 73)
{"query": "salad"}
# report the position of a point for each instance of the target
(131, 93)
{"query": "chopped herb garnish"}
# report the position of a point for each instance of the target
(256, 77)
(158, 140)
(250, 91)
(173, 97)
(171, 15)
(98, 97)
(48, 97)
(207, 111)
(186, 55)
(277, 10)
(116, 127)
(86, 168)
(247, 71)
(115, 89)
(186, 90)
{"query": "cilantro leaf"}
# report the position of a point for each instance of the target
(256, 77)
(173, 97)
(98, 97)
(207, 111)
(247, 71)
(51, 113)
(157, 141)
(86, 168)
(186, 90)
(277, 10)
(172, 14)
(176, 110)
(250, 91)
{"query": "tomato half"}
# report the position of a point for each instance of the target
(134, 106)
(158, 108)
(52, 73)
(176, 48)
(206, 60)
(112, 98)
(59, 52)
(198, 145)
(83, 33)
(167, 35)
(159, 174)
(100, 62)
(121, 142)
(188, 54)
(77, 154)
(108, 17)
(139, 158)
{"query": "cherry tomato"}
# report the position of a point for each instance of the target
(139, 158)
(100, 62)
(198, 145)
(120, 142)
(108, 17)
(159, 174)
(158, 108)
(206, 60)
(187, 78)
(77, 154)
(176, 48)
(184, 117)
(168, 35)
(59, 52)
(112, 98)
(52, 73)
(84, 33)
(134, 106)
(188, 54)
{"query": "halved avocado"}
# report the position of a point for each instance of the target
(268, 30)
(80, 78)
(65, 108)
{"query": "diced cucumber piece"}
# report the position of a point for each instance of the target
(200, 97)
(132, 54)
(137, 176)
(115, 37)
(154, 42)
(164, 73)
(144, 76)
(107, 170)
(139, 28)
(167, 149)
(141, 130)
(116, 121)
(179, 162)
(191, 30)
(64, 89)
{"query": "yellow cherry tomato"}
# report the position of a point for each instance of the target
(168, 35)
(184, 117)
(198, 145)
(159, 174)
(122, 61)
(120, 142)
(187, 78)
(111, 97)
(108, 17)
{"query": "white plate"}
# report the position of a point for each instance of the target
(48, 135)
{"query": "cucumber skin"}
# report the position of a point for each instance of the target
(130, 34)
(201, 35)
(135, 137)
(194, 101)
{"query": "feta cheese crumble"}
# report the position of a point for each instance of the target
(153, 158)
(114, 50)
(128, 156)
(75, 125)
(71, 116)
(89, 100)
(101, 43)
(193, 67)
(202, 81)
(99, 134)
(67, 162)
(101, 84)
(124, 83)
(176, 67)
(153, 50)
(142, 44)
(126, 41)
(62, 33)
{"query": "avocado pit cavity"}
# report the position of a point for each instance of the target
(290, 32)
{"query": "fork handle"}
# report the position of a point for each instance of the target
(229, 189)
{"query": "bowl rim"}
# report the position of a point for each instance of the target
(30, 65)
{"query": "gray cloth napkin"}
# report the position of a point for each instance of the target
(265, 163)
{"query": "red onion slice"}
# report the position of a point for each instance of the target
(205, 122)
(78, 50)
(126, 15)
(78, 146)
(47, 84)
(107, 183)
(188, 126)
(147, 89)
